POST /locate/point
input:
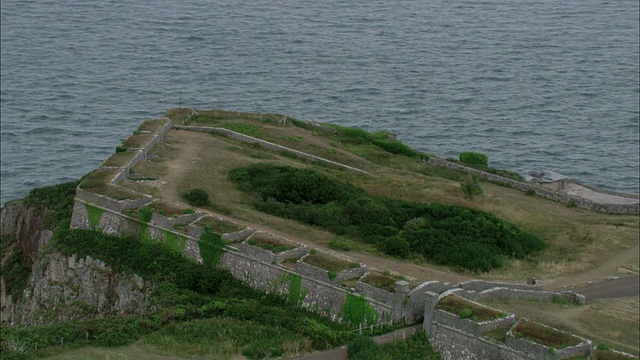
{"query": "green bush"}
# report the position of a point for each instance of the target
(196, 197)
(443, 234)
(465, 313)
(470, 186)
(474, 158)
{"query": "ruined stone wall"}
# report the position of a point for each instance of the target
(455, 344)
(541, 191)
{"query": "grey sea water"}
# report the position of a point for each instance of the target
(536, 85)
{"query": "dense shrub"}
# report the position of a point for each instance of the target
(15, 267)
(446, 235)
(196, 197)
(470, 186)
(290, 185)
(474, 158)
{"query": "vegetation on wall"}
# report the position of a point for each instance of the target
(474, 158)
(443, 234)
(296, 292)
(381, 139)
(94, 214)
(356, 310)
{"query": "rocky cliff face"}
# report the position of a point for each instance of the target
(63, 288)
(26, 225)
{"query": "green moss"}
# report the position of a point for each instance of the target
(296, 292)
(211, 248)
(174, 242)
(145, 234)
(94, 214)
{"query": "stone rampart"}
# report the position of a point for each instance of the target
(117, 224)
(351, 274)
(541, 191)
(270, 146)
(292, 254)
(165, 222)
(236, 236)
(539, 295)
(313, 272)
(455, 344)
(256, 253)
(481, 285)
(473, 327)
(109, 203)
(320, 295)
(541, 351)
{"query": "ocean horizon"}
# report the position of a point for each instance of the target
(536, 85)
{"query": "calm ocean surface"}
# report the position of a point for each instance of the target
(533, 84)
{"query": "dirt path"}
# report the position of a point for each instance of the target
(610, 267)
(628, 286)
(190, 145)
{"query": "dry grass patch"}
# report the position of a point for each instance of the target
(120, 159)
(166, 209)
(467, 309)
(328, 262)
(136, 141)
(218, 226)
(153, 125)
(270, 243)
(544, 335)
(381, 281)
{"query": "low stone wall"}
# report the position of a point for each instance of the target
(312, 271)
(111, 204)
(269, 145)
(238, 235)
(539, 295)
(351, 274)
(165, 222)
(257, 253)
(292, 254)
(470, 326)
(480, 285)
(541, 191)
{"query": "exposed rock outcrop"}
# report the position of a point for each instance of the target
(26, 224)
(63, 288)
(67, 288)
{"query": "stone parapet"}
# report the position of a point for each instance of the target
(541, 191)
